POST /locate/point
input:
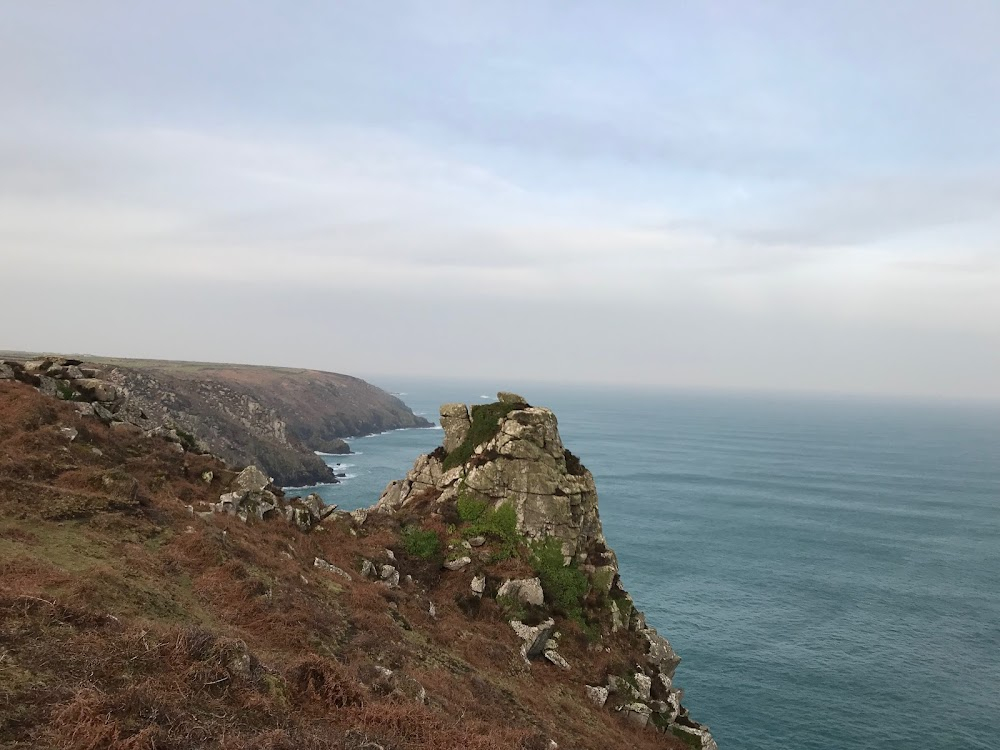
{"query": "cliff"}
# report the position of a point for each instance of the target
(273, 417)
(508, 456)
(154, 597)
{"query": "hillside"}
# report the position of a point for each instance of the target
(273, 417)
(154, 598)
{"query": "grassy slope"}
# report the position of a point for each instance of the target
(127, 622)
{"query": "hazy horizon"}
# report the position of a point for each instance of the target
(765, 197)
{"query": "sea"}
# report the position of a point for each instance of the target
(827, 567)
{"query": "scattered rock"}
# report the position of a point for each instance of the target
(322, 564)
(598, 695)
(556, 658)
(70, 433)
(390, 576)
(535, 637)
(458, 564)
(527, 590)
(477, 541)
(479, 585)
(368, 569)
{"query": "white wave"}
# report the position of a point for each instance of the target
(335, 455)
(309, 486)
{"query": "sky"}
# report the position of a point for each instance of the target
(739, 194)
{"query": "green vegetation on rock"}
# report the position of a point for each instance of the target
(565, 585)
(499, 524)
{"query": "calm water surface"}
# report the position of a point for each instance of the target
(829, 569)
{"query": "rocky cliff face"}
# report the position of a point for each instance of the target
(273, 417)
(510, 455)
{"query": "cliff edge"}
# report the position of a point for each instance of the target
(508, 458)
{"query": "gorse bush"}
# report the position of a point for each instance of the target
(565, 585)
(485, 425)
(498, 524)
(420, 543)
(469, 508)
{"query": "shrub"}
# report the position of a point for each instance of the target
(469, 508)
(485, 425)
(420, 543)
(565, 585)
(500, 524)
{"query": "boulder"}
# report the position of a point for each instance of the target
(458, 564)
(478, 585)
(6, 371)
(535, 637)
(660, 653)
(390, 576)
(527, 590)
(251, 479)
(96, 390)
(556, 658)
(455, 422)
(506, 397)
(643, 684)
(637, 713)
(598, 695)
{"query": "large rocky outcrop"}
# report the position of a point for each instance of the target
(510, 453)
(273, 417)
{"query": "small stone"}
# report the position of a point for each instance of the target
(432, 610)
(479, 585)
(556, 658)
(458, 564)
(477, 541)
(322, 564)
(368, 569)
(207, 477)
(70, 433)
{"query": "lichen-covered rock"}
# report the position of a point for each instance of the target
(597, 694)
(322, 564)
(251, 479)
(535, 637)
(527, 590)
(455, 422)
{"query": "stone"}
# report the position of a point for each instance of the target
(660, 653)
(556, 658)
(6, 371)
(637, 713)
(527, 590)
(207, 477)
(322, 564)
(455, 422)
(70, 433)
(457, 564)
(301, 517)
(359, 516)
(96, 390)
(390, 576)
(368, 569)
(251, 479)
(478, 585)
(477, 541)
(506, 397)
(643, 684)
(598, 695)
(535, 637)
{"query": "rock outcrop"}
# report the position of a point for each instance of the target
(511, 454)
(275, 418)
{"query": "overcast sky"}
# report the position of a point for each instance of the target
(726, 194)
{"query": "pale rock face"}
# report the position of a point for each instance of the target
(527, 590)
(455, 422)
(524, 465)
(598, 695)
(251, 479)
(535, 637)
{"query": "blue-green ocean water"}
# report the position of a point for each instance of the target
(829, 569)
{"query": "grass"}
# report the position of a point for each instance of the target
(421, 543)
(485, 426)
